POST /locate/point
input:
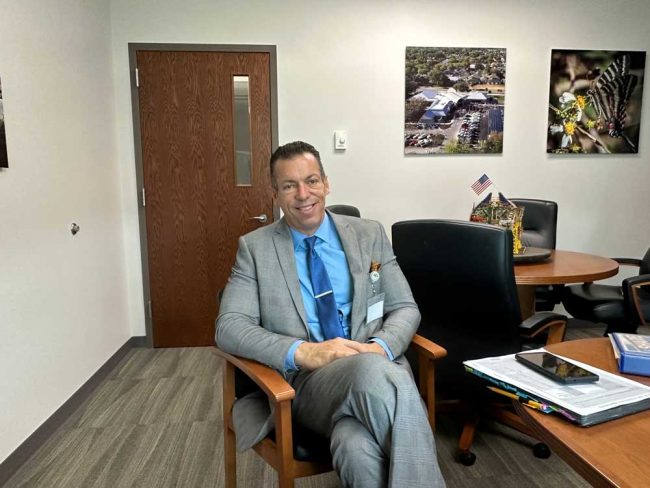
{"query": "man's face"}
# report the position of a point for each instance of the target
(300, 191)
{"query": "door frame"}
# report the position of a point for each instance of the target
(137, 140)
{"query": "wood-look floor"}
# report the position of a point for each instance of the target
(156, 422)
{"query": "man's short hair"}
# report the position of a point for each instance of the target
(291, 150)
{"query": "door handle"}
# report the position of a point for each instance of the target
(260, 218)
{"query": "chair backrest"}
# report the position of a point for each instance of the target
(350, 210)
(462, 278)
(645, 263)
(539, 222)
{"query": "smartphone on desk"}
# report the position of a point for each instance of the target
(556, 368)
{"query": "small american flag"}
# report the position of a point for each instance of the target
(481, 184)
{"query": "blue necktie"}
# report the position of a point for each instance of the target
(328, 314)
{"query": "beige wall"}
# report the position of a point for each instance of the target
(68, 303)
(341, 66)
(62, 298)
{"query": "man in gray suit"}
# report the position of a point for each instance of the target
(354, 384)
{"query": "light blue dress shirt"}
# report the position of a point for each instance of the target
(329, 248)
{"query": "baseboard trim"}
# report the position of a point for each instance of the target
(25, 450)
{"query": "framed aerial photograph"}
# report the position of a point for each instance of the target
(594, 101)
(4, 161)
(454, 100)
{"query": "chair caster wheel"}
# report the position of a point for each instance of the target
(541, 450)
(466, 458)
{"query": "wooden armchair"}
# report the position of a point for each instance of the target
(278, 449)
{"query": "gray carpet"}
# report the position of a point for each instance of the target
(156, 422)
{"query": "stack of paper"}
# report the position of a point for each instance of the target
(585, 404)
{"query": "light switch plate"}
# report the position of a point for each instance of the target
(340, 139)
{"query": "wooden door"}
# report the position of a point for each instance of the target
(195, 203)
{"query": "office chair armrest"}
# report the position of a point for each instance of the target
(631, 288)
(425, 347)
(637, 281)
(268, 379)
(553, 323)
(628, 261)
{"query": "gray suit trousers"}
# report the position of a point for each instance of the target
(372, 412)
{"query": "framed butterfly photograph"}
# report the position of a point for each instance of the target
(594, 101)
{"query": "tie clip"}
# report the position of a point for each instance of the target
(323, 294)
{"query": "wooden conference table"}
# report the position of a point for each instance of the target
(560, 268)
(613, 453)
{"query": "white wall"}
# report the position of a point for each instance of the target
(62, 299)
(341, 66)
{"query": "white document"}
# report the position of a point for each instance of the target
(584, 399)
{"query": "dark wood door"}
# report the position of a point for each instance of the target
(195, 203)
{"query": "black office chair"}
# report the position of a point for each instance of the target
(344, 210)
(622, 308)
(539, 230)
(539, 222)
(462, 278)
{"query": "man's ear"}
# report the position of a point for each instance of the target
(327, 185)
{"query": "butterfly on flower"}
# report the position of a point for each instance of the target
(610, 94)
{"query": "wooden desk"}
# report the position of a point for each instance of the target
(561, 268)
(614, 453)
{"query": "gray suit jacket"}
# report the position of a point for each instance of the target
(262, 313)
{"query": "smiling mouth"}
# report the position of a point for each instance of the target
(306, 208)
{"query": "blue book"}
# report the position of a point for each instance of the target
(632, 352)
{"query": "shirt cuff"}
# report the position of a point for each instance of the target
(384, 346)
(290, 360)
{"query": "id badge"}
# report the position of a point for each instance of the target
(375, 307)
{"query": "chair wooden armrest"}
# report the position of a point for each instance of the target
(427, 348)
(427, 351)
(270, 381)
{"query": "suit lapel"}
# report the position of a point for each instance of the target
(351, 241)
(286, 256)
